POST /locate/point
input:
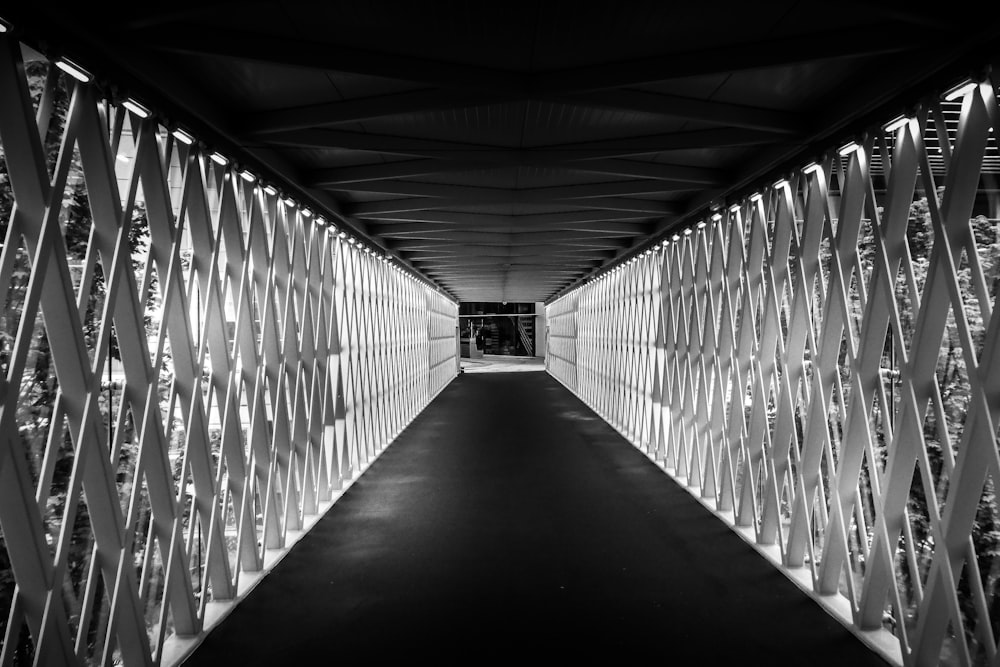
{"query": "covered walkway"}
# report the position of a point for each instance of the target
(509, 521)
(758, 248)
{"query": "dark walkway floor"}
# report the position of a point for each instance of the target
(510, 523)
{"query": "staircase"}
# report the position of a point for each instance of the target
(526, 330)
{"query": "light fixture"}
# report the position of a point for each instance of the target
(811, 168)
(136, 108)
(848, 148)
(687, 232)
(74, 70)
(342, 235)
(756, 197)
(333, 227)
(219, 159)
(306, 213)
(248, 176)
(182, 136)
(270, 189)
(352, 240)
(896, 123)
(716, 217)
(734, 208)
(676, 238)
(288, 201)
(780, 183)
(321, 221)
(701, 225)
(960, 90)
(4, 26)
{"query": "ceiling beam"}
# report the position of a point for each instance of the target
(365, 108)
(376, 221)
(514, 251)
(536, 195)
(528, 279)
(433, 148)
(431, 229)
(424, 100)
(323, 178)
(502, 275)
(687, 108)
(428, 166)
(649, 207)
(499, 239)
(651, 170)
(506, 262)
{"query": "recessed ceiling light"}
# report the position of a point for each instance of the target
(182, 136)
(896, 123)
(136, 108)
(960, 90)
(74, 70)
(848, 148)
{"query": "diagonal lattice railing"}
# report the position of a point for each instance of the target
(820, 366)
(192, 371)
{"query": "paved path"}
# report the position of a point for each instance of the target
(510, 524)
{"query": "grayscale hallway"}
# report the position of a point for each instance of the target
(509, 523)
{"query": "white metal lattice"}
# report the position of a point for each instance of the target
(820, 366)
(193, 369)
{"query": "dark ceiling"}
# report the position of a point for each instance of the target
(507, 151)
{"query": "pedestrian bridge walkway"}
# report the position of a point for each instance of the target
(508, 521)
(238, 261)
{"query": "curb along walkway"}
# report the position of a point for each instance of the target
(509, 522)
